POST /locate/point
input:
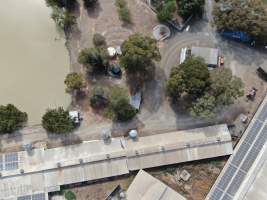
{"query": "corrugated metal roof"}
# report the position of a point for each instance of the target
(146, 187)
(46, 170)
(177, 147)
(210, 55)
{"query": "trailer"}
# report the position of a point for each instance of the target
(237, 35)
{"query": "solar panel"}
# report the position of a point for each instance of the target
(240, 154)
(225, 179)
(11, 161)
(11, 157)
(263, 114)
(227, 197)
(261, 139)
(250, 158)
(236, 182)
(253, 132)
(217, 193)
(40, 196)
(11, 166)
(27, 197)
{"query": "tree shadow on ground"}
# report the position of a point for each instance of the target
(154, 91)
(120, 129)
(94, 11)
(63, 138)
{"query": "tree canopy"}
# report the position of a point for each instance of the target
(138, 53)
(210, 89)
(11, 118)
(74, 81)
(63, 18)
(119, 103)
(93, 58)
(68, 4)
(166, 10)
(246, 16)
(57, 121)
(192, 77)
(225, 87)
(204, 106)
(190, 7)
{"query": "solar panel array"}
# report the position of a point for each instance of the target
(9, 161)
(39, 196)
(242, 160)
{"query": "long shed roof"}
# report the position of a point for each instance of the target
(45, 170)
(177, 147)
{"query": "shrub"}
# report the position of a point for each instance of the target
(119, 103)
(69, 195)
(57, 121)
(11, 118)
(99, 98)
(123, 11)
(99, 40)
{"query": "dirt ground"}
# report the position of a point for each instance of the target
(104, 19)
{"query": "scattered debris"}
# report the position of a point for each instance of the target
(252, 93)
(185, 176)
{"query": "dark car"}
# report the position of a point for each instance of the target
(115, 70)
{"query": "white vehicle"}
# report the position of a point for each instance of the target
(75, 116)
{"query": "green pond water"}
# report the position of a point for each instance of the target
(33, 58)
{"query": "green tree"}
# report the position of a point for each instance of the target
(99, 97)
(204, 106)
(68, 4)
(166, 10)
(190, 7)
(99, 40)
(192, 77)
(74, 82)
(246, 16)
(225, 87)
(63, 18)
(120, 105)
(138, 53)
(57, 121)
(93, 58)
(11, 118)
(176, 84)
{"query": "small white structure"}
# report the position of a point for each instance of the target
(135, 100)
(75, 116)
(183, 55)
(111, 51)
(133, 134)
(118, 50)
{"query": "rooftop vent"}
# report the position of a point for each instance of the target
(106, 135)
